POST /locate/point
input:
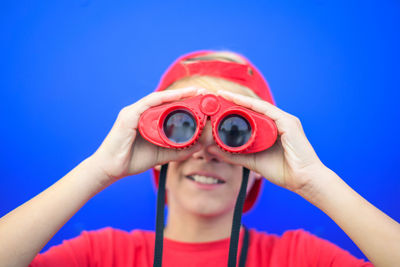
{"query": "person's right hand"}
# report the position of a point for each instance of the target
(125, 152)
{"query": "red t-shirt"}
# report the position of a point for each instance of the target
(112, 247)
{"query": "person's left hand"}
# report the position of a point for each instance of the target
(290, 162)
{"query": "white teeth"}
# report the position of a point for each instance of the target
(204, 179)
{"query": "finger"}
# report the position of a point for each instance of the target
(158, 98)
(130, 114)
(298, 149)
(203, 91)
(285, 122)
(255, 104)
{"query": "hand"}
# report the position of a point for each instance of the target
(125, 152)
(290, 161)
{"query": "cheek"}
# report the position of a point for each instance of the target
(172, 176)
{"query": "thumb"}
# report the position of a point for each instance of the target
(167, 154)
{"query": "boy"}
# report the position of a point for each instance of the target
(200, 214)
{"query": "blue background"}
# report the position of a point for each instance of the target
(68, 67)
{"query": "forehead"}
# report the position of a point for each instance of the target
(212, 84)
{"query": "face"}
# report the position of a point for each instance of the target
(203, 184)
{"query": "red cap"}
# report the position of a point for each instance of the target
(245, 74)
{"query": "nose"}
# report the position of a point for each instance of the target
(206, 139)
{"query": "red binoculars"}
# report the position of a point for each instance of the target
(235, 129)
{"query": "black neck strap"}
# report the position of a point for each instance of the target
(158, 247)
(245, 246)
(237, 217)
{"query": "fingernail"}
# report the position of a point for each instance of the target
(228, 93)
(224, 92)
(202, 91)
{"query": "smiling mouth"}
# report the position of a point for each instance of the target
(205, 179)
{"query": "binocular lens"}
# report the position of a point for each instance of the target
(179, 126)
(234, 130)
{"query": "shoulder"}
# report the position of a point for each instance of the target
(298, 239)
(295, 246)
(106, 233)
(102, 246)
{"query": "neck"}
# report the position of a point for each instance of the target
(189, 227)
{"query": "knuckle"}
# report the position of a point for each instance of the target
(154, 94)
(160, 156)
(295, 120)
(254, 162)
(123, 112)
(127, 118)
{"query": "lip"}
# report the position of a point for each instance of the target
(209, 174)
(204, 186)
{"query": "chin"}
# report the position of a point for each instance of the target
(208, 208)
